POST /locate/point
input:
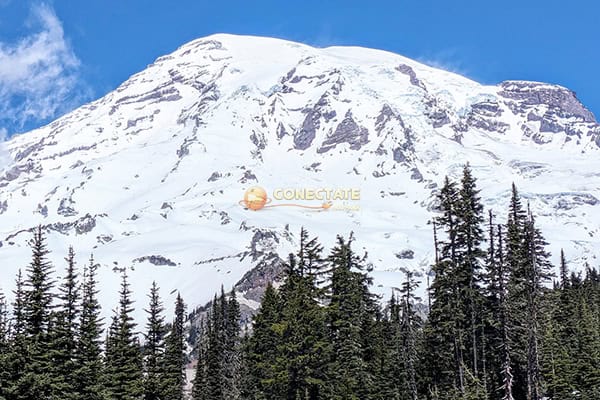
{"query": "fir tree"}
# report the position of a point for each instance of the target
(517, 293)
(4, 346)
(36, 380)
(88, 382)
(174, 360)
(16, 356)
(123, 353)
(409, 326)
(312, 265)
(444, 334)
(64, 333)
(199, 391)
(232, 350)
(215, 348)
(348, 312)
(261, 350)
(302, 328)
(154, 347)
(469, 237)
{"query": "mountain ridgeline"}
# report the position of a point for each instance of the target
(500, 325)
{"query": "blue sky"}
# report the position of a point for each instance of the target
(56, 55)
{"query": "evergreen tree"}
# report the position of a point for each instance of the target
(312, 265)
(261, 349)
(302, 367)
(587, 347)
(64, 333)
(35, 380)
(215, 348)
(538, 273)
(4, 346)
(517, 293)
(199, 391)
(443, 358)
(529, 266)
(123, 353)
(468, 273)
(349, 313)
(232, 350)
(88, 382)
(16, 357)
(409, 326)
(174, 359)
(154, 347)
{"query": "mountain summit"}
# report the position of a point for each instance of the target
(150, 176)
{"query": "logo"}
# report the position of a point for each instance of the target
(256, 198)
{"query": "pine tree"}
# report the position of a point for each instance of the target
(468, 274)
(587, 348)
(529, 266)
(154, 347)
(199, 391)
(261, 350)
(301, 368)
(88, 382)
(505, 360)
(64, 333)
(409, 326)
(36, 380)
(539, 272)
(4, 346)
(349, 313)
(16, 357)
(123, 353)
(312, 265)
(215, 348)
(444, 335)
(232, 350)
(174, 359)
(517, 301)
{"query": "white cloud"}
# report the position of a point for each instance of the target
(39, 73)
(448, 60)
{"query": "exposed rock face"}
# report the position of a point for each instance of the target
(348, 131)
(535, 93)
(436, 113)
(156, 260)
(304, 137)
(406, 254)
(485, 115)
(407, 70)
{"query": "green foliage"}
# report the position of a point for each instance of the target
(88, 378)
(174, 358)
(123, 353)
(494, 330)
(154, 347)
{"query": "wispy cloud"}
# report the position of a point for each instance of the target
(448, 60)
(39, 74)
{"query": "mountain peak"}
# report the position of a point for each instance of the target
(150, 176)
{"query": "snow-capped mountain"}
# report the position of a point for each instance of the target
(150, 176)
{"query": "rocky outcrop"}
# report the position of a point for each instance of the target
(156, 260)
(407, 70)
(304, 136)
(349, 132)
(556, 97)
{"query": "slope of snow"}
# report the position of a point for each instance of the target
(158, 166)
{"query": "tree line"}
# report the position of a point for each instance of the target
(496, 324)
(500, 325)
(54, 345)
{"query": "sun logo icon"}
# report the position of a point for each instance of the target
(255, 198)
